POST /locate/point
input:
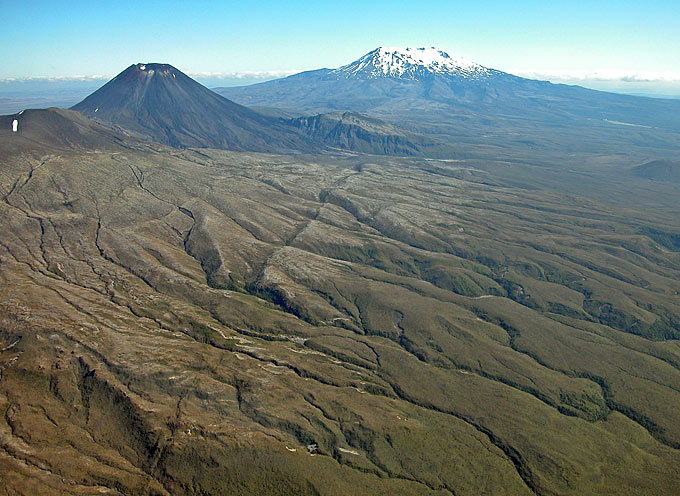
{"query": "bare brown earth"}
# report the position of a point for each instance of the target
(211, 322)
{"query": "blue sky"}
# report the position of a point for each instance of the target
(615, 39)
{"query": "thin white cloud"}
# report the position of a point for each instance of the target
(242, 75)
(610, 76)
(55, 79)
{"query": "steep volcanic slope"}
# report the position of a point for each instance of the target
(208, 322)
(427, 90)
(54, 129)
(160, 102)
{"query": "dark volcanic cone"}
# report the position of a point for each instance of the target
(161, 103)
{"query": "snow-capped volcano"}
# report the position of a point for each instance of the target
(410, 63)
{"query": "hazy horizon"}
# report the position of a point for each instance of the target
(65, 91)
